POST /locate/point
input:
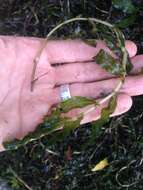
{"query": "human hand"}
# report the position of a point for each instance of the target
(22, 110)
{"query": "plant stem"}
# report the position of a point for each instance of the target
(99, 103)
(79, 19)
(121, 45)
(37, 58)
(120, 38)
(35, 63)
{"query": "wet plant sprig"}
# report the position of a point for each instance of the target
(57, 122)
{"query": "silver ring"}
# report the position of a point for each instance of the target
(65, 92)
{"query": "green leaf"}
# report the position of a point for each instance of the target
(69, 126)
(91, 42)
(54, 122)
(125, 5)
(105, 116)
(121, 42)
(75, 102)
(51, 124)
(129, 65)
(108, 63)
(40, 132)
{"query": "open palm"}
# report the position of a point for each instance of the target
(21, 109)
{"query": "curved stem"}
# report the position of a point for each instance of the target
(114, 92)
(120, 38)
(79, 19)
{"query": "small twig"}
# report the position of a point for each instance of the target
(20, 180)
(119, 172)
(35, 15)
(52, 152)
(93, 153)
(109, 13)
(30, 16)
(103, 11)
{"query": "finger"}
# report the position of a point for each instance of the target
(1, 147)
(137, 62)
(131, 48)
(133, 86)
(79, 72)
(93, 89)
(86, 72)
(63, 51)
(76, 50)
(124, 103)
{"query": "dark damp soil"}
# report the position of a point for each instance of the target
(67, 165)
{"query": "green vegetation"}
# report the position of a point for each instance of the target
(52, 164)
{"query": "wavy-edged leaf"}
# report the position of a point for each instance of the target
(104, 118)
(75, 102)
(108, 63)
(52, 124)
(70, 125)
(121, 41)
(40, 132)
(129, 65)
(68, 128)
(91, 42)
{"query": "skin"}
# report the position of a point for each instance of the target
(21, 109)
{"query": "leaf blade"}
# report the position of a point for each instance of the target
(107, 62)
(75, 102)
(101, 165)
